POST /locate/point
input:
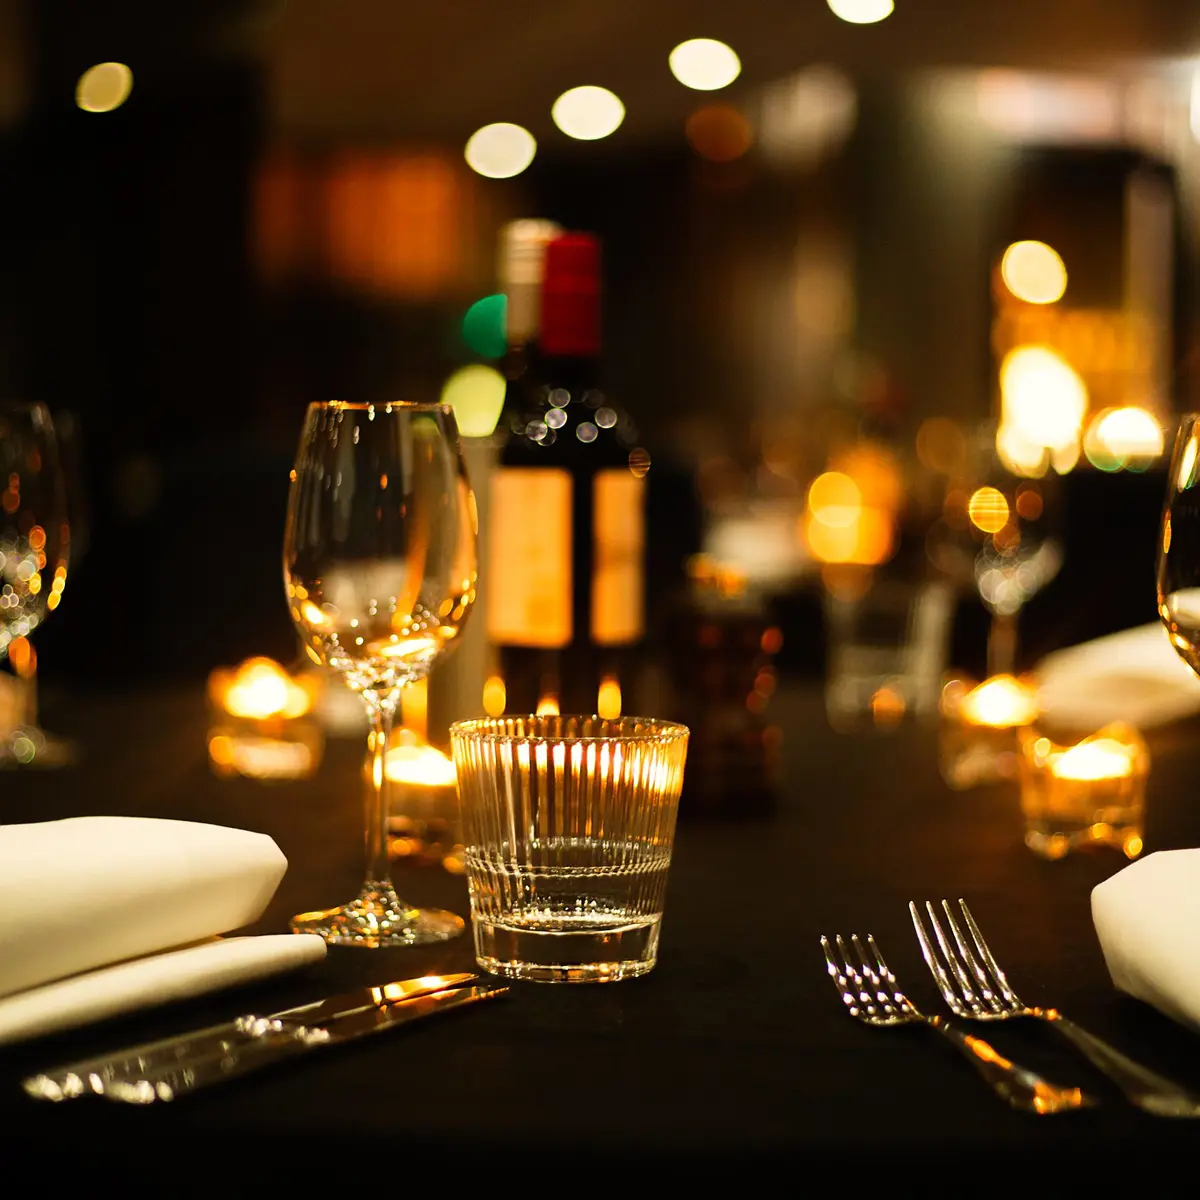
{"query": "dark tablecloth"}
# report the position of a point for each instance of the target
(734, 1052)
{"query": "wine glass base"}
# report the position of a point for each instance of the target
(378, 918)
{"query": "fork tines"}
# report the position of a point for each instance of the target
(868, 991)
(967, 975)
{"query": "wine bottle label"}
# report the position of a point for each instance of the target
(618, 539)
(529, 557)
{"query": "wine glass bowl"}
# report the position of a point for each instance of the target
(380, 574)
(34, 550)
(1178, 566)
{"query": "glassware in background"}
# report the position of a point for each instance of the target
(1001, 530)
(379, 569)
(718, 674)
(887, 646)
(35, 539)
(569, 823)
(1179, 545)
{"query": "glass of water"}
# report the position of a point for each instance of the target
(568, 826)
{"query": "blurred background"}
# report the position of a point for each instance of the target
(842, 288)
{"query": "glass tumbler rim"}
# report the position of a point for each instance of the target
(429, 406)
(628, 729)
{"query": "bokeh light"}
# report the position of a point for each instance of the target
(484, 326)
(704, 64)
(1034, 272)
(476, 393)
(588, 113)
(500, 151)
(719, 133)
(988, 509)
(104, 87)
(1123, 439)
(861, 12)
(1042, 397)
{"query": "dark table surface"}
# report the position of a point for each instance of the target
(733, 1052)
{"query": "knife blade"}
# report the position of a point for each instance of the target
(171, 1082)
(94, 1075)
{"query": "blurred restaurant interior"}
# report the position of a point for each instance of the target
(840, 290)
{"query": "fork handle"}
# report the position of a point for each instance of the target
(1141, 1086)
(1022, 1088)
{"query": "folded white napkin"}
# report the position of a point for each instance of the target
(1134, 675)
(1146, 917)
(156, 979)
(90, 891)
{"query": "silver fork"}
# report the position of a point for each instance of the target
(975, 987)
(871, 994)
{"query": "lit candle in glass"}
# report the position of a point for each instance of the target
(423, 824)
(260, 723)
(1092, 792)
(979, 734)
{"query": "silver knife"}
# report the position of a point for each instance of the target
(150, 1059)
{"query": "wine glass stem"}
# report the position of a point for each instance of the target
(379, 869)
(1002, 645)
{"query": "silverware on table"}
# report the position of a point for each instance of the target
(165, 1069)
(871, 993)
(976, 988)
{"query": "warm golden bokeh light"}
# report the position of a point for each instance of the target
(104, 87)
(495, 696)
(704, 64)
(861, 12)
(608, 698)
(1034, 272)
(719, 133)
(588, 113)
(834, 499)
(1119, 438)
(500, 151)
(1101, 758)
(988, 510)
(1001, 702)
(547, 706)
(419, 764)
(1043, 399)
(258, 689)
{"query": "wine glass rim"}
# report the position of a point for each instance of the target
(626, 729)
(383, 406)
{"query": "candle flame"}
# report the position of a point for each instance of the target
(1103, 758)
(420, 764)
(261, 688)
(548, 705)
(1001, 702)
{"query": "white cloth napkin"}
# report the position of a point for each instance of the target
(156, 979)
(1146, 917)
(91, 891)
(1134, 675)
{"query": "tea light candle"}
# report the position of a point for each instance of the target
(1091, 792)
(423, 822)
(260, 724)
(979, 736)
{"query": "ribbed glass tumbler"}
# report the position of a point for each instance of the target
(568, 826)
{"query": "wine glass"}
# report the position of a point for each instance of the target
(1179, 545)
(1001, 531)
(34, 548)
(380, 573)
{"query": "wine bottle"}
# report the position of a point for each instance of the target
(566, 600)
